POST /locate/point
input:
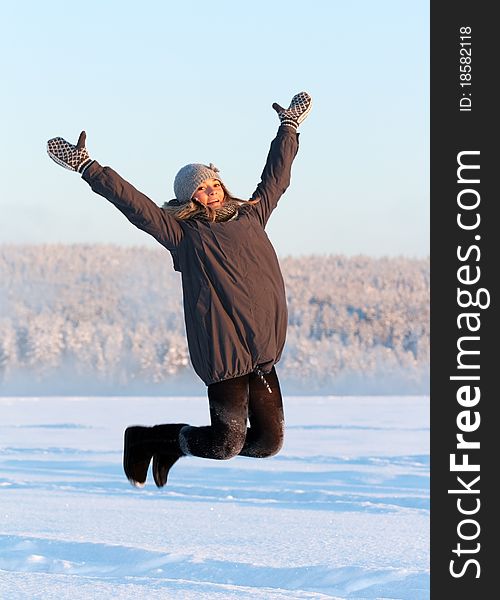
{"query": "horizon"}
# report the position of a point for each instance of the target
(156, 246)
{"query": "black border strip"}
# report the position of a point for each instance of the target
(470, 540)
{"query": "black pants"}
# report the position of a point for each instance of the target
(233, 403)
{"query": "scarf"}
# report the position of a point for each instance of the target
(226, 212)
(229, 210)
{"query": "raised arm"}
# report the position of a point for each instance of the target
(138, 208)
(275, 177)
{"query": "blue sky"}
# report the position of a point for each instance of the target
(157, 85)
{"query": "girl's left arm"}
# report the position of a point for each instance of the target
(275, 177)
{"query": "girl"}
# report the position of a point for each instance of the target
(233, 294)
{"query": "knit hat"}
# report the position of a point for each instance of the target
(190, 177)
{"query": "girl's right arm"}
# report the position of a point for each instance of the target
(138, 208)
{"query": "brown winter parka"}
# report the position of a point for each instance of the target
(233, 291)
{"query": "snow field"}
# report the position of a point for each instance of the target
(341, 512)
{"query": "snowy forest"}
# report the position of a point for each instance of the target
(99, 319)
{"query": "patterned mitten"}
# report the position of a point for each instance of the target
(74, 158)
(297, 111)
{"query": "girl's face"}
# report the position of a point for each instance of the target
(210, 193)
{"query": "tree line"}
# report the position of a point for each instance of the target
(108, 319)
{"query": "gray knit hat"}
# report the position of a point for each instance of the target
(189, 178)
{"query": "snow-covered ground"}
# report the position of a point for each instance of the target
(341, 512)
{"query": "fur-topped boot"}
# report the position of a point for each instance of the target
(141, 444)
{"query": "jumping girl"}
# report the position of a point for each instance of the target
(233, 294)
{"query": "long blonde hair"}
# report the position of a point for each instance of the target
(183, 211)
